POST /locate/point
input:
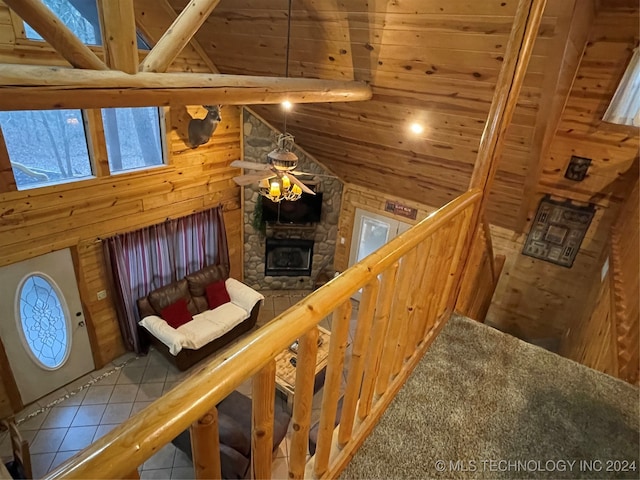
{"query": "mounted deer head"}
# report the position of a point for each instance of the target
(201, 129)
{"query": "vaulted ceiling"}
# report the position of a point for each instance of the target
(435, 62)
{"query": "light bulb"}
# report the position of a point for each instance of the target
(274, 191)
(287, 105)
(417, 128)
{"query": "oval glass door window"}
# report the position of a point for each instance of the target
(44, 321)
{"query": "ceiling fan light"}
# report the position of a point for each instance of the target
(274, 191)
(296, 190)
(286, 183)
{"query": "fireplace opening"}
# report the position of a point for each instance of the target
(288, 257)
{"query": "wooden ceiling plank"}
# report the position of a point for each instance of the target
(31, 87)
(178, 35)
(59, 36)
(119, 38)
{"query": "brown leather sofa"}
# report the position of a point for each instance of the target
(192, 289)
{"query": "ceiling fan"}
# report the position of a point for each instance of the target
(278, 178)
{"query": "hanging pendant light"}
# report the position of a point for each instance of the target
(282, 158)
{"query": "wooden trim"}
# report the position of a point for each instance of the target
(25, 87)
(505, 98)
(178, 35)
(119, 37)
(96, 142)
(9, 381)
(56, 33)
(7, 179)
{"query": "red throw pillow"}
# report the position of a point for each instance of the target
(217, 294)
(177, 313)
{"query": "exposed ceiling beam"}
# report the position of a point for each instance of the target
(26, 87)
(178, 35)
(63, 40)
(118, 27)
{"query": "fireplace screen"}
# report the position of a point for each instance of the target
(288, 257)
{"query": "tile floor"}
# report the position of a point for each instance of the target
(131, 383)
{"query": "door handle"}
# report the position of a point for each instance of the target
(81, 323)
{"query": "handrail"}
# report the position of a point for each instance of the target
(446, 231)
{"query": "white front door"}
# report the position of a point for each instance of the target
(371, 231)
(42, 324)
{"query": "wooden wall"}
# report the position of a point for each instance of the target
(77, 215)
(355, 196)
(429, 61)
(538, 300)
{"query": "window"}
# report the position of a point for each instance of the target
(133, 137)
(43, 321)
(625, 105)
(46, 147)
(81, 16)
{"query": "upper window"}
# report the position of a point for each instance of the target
(625, 105)
(133, 137)
(81, 16)
(46, 147)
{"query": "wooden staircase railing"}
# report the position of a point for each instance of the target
(480, 277)
(409, 292)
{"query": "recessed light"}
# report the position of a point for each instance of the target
(417, 128)
(287, 105)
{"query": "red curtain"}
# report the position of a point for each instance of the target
(152, 257)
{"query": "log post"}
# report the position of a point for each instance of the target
(397, 319)
(205, 447)
(178, 35)
(119, 35)
(380, 323)
(302, 402)
(356, 365)
(331, 389)
(263, 397)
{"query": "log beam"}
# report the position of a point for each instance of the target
(25, 87)
(178, 35)
(56, 33)
(118, 25)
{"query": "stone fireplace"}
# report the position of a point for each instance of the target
(288, 257)
(315, 242)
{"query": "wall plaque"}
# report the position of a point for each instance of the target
(577, 168)
(557, 231)
(400, 210)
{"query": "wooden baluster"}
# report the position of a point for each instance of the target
(405, 344)
(447, 299)
(263, 396)
(356, 365)
(397, 318)
(429, 284)
(331, 390)
(302, 402)
(205, 445)
(380, 322)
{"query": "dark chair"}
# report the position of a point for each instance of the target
(234, 428)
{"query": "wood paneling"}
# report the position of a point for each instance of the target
(355, 196)
(78, 215)
(538, 300)
(429, 61)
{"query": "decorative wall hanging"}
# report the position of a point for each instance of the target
(577, 168)
(557, 231)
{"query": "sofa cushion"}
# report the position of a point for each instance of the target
(176, 314)
(211, 324)
(217, 294)
(199, 280)
(170, 294)
(160, 329)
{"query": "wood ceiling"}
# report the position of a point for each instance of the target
(430, 61)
